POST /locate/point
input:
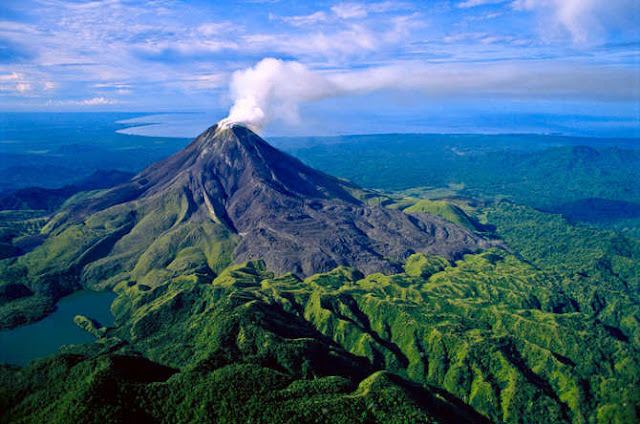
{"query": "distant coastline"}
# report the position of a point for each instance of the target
(190, 124)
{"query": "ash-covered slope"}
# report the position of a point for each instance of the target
(295, 218)
(223, 164)
(228, 197)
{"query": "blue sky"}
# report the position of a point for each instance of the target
(404, 62)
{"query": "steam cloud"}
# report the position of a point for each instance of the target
(274, 89)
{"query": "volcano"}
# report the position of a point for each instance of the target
(229, 197)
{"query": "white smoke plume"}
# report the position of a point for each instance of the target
(274, 89)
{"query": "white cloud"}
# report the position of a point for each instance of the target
(586, 20)
(83, 103)
(217, 28)
(275, 89)
(463, 36)
(304, 20)
(339, 44)
(98, 101)
(104, 49)
(9, 77)
(8, 27)
(515, 79)
(342, 11)
(388, 6)
(95, 101)
(203, 82)
(15, 83)
(356, 10)
(476, 3)
(23, 87)
(112, 85)
(85, 44)
(350, 10)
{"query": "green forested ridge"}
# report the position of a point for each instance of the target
(17, 229)
(546, 332)
(599, 268)
(543, 178)
(149, 244)
(50, 200)
(226, 351)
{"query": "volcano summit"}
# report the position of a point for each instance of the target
(228, 197)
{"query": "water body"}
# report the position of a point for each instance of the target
(440, 119)
(43, 338)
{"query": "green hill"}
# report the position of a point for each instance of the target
(446, 210)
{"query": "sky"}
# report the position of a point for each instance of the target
(291, 67)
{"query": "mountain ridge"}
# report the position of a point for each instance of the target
(228, 197)
(233, 177)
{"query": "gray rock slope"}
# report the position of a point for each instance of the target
(294, 217)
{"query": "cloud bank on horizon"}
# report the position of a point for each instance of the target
(269, 60)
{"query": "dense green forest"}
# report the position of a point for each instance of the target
(543, 330)
(590, 184)
(53, 150)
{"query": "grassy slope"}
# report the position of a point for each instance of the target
(547, 334)
(446, 210)
(126, 242)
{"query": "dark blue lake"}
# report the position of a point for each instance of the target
(24, 344)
